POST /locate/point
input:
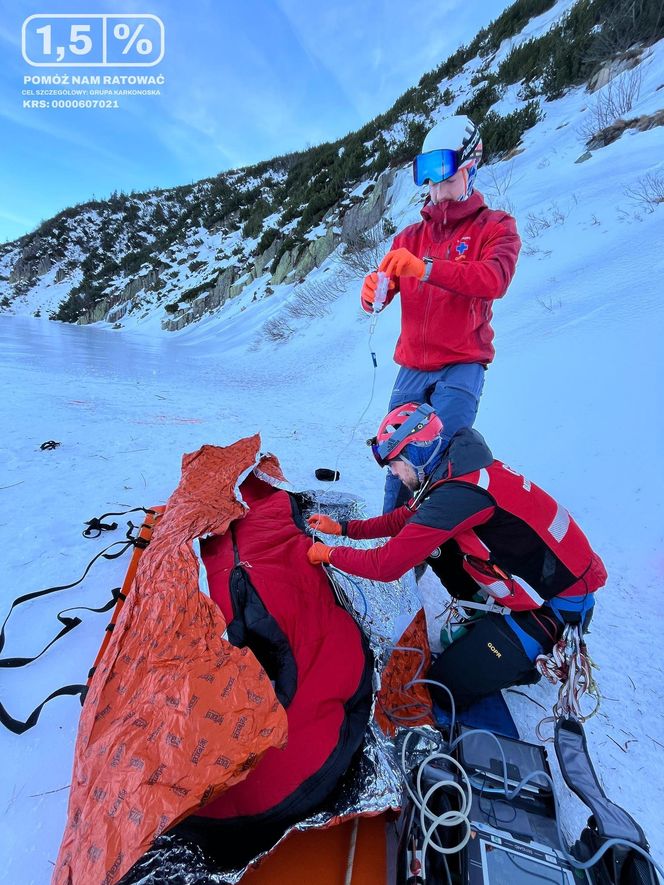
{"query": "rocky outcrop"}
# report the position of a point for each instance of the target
(265, 259)
(207, 301)
(613, 69)
(613, 132)
(295, 263)
(369, 212)
(29, 266)
(113, 306)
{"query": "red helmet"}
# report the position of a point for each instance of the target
(411, 423)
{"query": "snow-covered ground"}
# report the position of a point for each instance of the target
(573, 400)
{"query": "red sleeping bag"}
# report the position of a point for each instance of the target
(285, 611)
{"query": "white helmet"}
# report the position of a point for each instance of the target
(458, 134)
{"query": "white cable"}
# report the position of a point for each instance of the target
(381, 295)
(421, 801)
(446, 819)
(366, 408)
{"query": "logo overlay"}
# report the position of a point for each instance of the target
(69, 43)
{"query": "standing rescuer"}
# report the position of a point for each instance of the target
(484, 529)
(448, 269)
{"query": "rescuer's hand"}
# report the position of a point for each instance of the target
(368, 294)
(319, 553)
(402, 263)
(321, 523)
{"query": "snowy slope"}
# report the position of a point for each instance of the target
(573, 400)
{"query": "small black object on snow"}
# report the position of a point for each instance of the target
(327, 475)
(49, 444)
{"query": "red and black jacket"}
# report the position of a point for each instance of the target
(513, 539)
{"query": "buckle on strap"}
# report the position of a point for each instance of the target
(95, 525)
(135, 539)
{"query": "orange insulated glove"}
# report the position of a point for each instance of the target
(319, 553)
(321, 523)
(402, 263)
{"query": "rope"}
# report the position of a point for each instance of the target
(570, 666)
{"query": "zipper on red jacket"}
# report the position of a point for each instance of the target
(424, 327)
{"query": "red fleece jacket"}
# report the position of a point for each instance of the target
(447, 320)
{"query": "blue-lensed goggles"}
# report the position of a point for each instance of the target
(375, 451)
(435, 166)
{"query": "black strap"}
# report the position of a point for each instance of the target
(132, 540)
(236, 552)
(68, 624)
(19, 727)
(95, 526)
(611, 821)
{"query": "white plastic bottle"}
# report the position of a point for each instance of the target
(381, 291)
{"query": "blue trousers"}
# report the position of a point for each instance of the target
(453, 391)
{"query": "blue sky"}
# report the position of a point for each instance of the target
(245, 81)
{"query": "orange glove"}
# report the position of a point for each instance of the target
(402, 263)
(321, 523)
(368, 293)
(319, 553)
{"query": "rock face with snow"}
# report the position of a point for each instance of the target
(177, 255)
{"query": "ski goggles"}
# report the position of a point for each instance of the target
(382, 451)
(435, 166)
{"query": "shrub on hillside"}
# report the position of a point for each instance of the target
(502, 134)
(269, 236)
(509, 23)
(405, 150)
(611, 103)
(527, 60)
(479, 103)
